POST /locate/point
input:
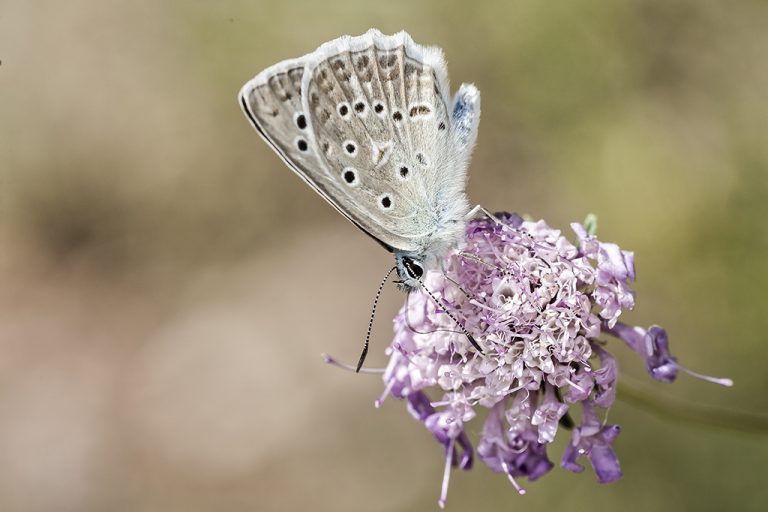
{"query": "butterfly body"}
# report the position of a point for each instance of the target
(366, 121)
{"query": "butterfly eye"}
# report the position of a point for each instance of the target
(413, 267)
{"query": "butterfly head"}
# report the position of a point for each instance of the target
(410, 269)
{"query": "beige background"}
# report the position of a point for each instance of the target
(167, 285)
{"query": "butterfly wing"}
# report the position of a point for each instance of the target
(272, 101)
(378, 137)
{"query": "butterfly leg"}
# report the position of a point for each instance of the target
(472, 213)
(481, 209)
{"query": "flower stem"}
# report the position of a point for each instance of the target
(693, 414)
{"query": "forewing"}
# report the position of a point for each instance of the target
(365, 122)
(378, 110)
(272, 101)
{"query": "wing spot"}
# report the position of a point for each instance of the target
(419, 110)
(338, 64)
(302, 145)
(363, 62)
(323, 82)
(301, 121)
(397, 116)
(387, 64)
(441, 126)
(378, 107)
(350, 176)
(343, 110)
(359, 107)
(404, 172)
(422, 159)
(350, 147)
(295, 75)
(385, 202)
(327, 148)
(389, 75)
(388, 60)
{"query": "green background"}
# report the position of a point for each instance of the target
(167, 285)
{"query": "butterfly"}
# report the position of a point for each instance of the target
(367, 122)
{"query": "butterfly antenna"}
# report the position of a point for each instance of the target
(364, 353)
(413, 329)
(451, 316)
(483, 262)
(456, 284)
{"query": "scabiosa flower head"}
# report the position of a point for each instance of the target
(539, 306)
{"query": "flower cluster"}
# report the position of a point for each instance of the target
(538, 305)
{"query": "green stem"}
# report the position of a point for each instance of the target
(693, 414)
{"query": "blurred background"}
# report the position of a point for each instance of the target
(167, 285)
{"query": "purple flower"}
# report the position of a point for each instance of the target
(513, 450)
(615, 269)
(605, 379)
(653, 345)
(593, 440)
(538, 305)
(547, 416)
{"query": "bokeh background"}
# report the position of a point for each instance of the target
(167, 285)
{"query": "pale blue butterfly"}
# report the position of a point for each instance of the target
(367, 122)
